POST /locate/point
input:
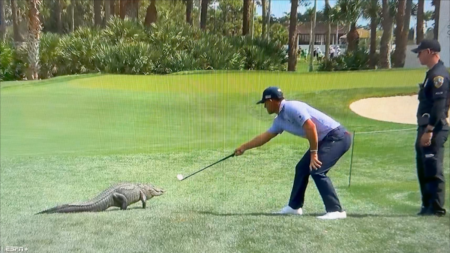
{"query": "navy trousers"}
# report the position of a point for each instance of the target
(430, 170)
(331, 149)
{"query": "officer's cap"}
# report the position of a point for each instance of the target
(271, 92)
(433, 45)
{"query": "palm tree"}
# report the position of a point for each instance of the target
(351, 11)
(312, 36)
(72, 15)
(372, 11)
(33, 39)
(152, 14)
(437, 10)
(264, 18)
(385, 49)
(292, 54)
(337, 18)
(132, 9)
(268, 19)
(112, 6)
(17, 35)
(2, 22)
(328, 34)
(97, 12)
(204, 14)
(400, 45)
(246, 17)
(189, 7)
(58, 13)
(400, 36)
(122, 12)
(420, 19)
(107, 12)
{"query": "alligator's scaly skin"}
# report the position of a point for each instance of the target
(120, 195)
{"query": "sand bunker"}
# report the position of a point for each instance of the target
(398, 109)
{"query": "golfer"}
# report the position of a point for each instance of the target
(328, 142)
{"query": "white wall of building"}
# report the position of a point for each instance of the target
(444, 32)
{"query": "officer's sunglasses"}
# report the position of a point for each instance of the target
(420, 52)
(429, 52)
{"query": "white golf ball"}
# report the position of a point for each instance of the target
(180, 177)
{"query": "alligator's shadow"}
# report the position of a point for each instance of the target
(115, 209)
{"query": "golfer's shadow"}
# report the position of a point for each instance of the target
(350, 215)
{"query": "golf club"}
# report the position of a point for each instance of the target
(180, 176)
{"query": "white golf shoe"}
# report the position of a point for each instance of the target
(333, 216)
(290, 210)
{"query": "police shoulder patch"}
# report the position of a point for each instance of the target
(438, 81)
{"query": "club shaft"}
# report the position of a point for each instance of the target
(209, 166)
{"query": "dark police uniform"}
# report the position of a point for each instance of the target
(434, 102)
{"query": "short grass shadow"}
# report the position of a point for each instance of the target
(349, 215)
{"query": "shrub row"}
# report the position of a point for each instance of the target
(126, 47)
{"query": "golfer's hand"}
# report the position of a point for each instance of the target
(239, 151)
(425, 140)
(315, 163)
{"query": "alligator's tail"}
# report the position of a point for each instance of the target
(68, 208)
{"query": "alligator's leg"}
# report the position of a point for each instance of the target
(143, 199)
(121, 200)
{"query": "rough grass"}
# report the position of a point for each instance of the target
(67, 139)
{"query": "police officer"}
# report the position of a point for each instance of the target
(433, 127)
(328, 142)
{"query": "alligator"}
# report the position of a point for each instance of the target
(119, 195)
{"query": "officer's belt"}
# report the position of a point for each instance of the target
(424, 119)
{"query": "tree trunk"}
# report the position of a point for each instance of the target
(132, 9)
(400, 46)
(16, 28)
(58, 16)
(2, 21)
(97, 13)
(352, 38)
(72, 15)
(112, 7)
(152, 14)
(437, 10)
(34, 31)
(252, 19)
(204, 14)
(268, 20)
(404, 42)
(123, 10)
(328, 32)
(246, 18)
(264, 18)
(312, 37)
(373, 42)
(189, 7)
(292, 54)
(373, 36)
(224, 28)
(107, 12)
(419, 28)
(385, 50)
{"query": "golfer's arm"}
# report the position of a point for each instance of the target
(311, 134)
(259, 140)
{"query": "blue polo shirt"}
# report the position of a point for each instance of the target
(293, 115)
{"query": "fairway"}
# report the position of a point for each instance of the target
(66, 139)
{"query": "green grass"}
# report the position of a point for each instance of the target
(66, 139)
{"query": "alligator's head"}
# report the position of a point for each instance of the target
(150, 190)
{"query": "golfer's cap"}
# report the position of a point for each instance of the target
(272, 92)
(433, 45)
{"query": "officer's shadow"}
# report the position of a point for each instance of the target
(349, 215)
